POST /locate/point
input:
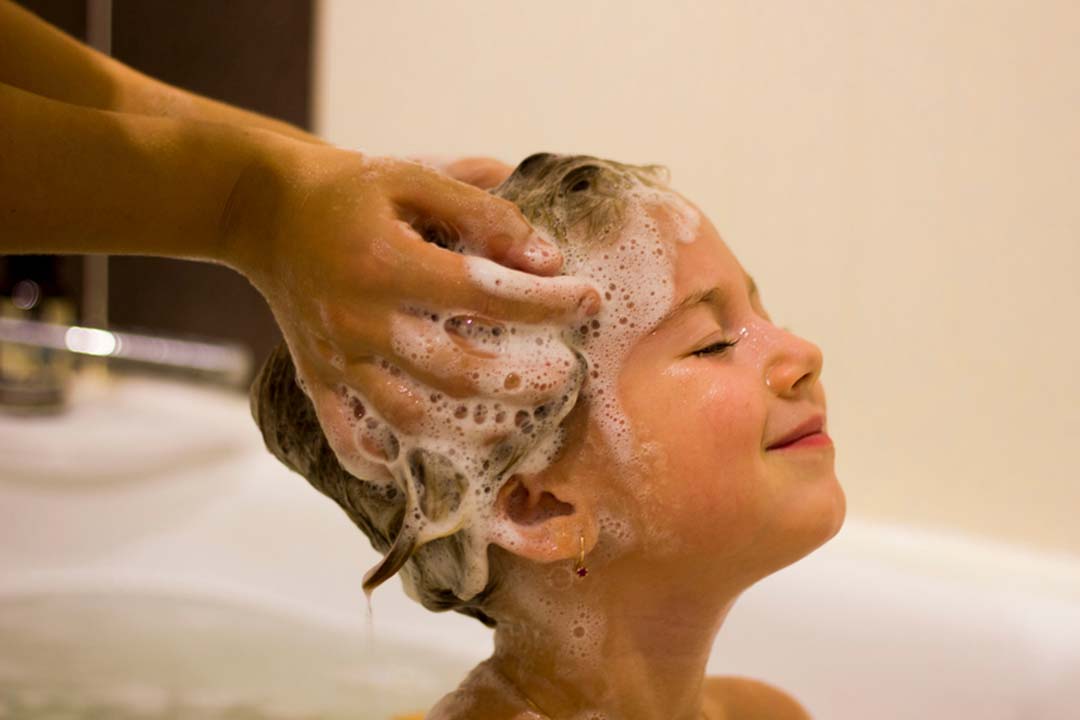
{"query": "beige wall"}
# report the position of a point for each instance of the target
(901, 178)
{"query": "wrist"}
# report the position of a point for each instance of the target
(252, 213)
(283, 196)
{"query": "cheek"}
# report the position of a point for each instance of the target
(723, 450)
(703, 437)
(733, 420)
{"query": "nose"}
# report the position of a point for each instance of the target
(795, 366)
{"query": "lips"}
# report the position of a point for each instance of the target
(812, 426)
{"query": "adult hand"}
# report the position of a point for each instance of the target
(352, 251)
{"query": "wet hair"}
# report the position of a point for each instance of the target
(555, 193)
(291, 431)
(559, 192)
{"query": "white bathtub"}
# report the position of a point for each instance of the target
(156, 562)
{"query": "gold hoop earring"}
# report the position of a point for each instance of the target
(580, 568)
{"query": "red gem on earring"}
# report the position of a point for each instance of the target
(582, 571)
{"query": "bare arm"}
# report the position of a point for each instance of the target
(325, 234)
(40, 59)
(96, 158)
(78, 180)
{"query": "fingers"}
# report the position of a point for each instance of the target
(461, 333)
(563, 299)
(363, 413)
(461, 369)
(487, 226)
(395, 398)
(357, 398)
(468, 356)
(362, 451)
(434, 277)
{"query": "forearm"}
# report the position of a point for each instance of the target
(40, 59)
(77, 180)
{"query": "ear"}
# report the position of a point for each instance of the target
(542, 519)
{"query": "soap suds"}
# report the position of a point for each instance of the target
(522, 380)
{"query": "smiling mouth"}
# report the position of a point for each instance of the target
(817, 439)
(809, 433)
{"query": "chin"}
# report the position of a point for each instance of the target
(828, 518)
(837, 511)
(813, 518)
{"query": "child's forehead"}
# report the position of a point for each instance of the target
(707, 261)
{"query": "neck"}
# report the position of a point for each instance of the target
(612, 645)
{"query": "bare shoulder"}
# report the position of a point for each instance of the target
(744, 698)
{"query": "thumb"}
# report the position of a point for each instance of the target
(482, 172)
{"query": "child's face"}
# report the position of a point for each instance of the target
(705, 481)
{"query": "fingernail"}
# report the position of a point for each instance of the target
(537, 237)
(589, 302)
(541, 254)
(535, 243)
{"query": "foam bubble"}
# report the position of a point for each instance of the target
(451, 464)
(633, 266)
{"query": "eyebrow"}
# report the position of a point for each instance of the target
(715, 296)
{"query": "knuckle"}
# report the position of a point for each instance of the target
(337, 321)
(510, 218)
(372, 269)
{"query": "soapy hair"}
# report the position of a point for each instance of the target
(291, 431)
(555, 193)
